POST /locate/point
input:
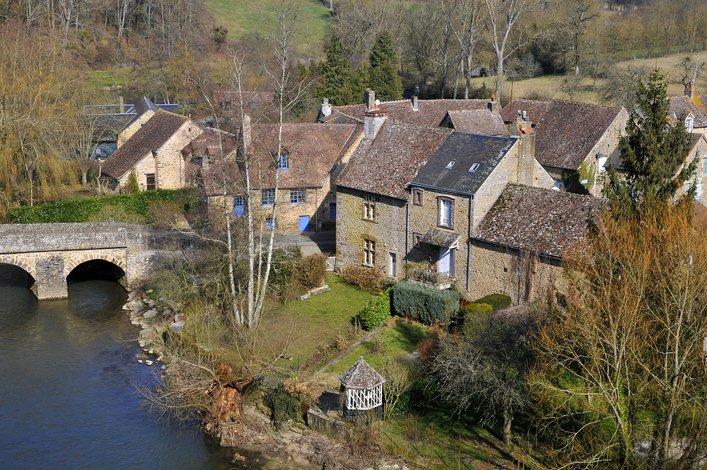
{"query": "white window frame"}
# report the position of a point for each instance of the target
(298, 196)
(267, 197)
(369, 207)
(445, 220)
(369, 252)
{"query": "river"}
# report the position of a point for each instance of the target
(69, 387)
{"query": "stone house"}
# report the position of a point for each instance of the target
(574, 140)
(411, 195)
(305, 200)
(690, 108)
(153, 152)
(517, 248)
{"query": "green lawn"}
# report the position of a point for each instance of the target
(246, 17)
(112, 77)
(309, 324)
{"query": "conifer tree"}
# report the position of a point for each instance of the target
(653, 153)
(384, 78)
(132, 186)
(338, 78)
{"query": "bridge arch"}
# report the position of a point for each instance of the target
(113, 258)
(101, 267)
(21, 263)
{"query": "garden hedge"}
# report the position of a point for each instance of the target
(424, 304)
(375, 312)
(497, 301)
(89, 208)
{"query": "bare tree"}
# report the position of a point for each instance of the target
(466, 30)
(503, 18)
(691, 68)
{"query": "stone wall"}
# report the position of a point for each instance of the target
(143, 167)
(387, 230)
(499, 270)
(425, 217)
(170, 167)
(607, 145)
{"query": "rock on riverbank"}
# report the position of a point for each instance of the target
(154, 318)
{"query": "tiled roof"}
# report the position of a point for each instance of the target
(478, 121)
(313, 151)
(429, 113)
(361, 375)
(211, 143)
(681, 106)
(539, 220)
(439, 237)
(450, 167)
(387, 164)
(566, 131)
(150, 137)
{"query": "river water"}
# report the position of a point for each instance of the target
(69, 387)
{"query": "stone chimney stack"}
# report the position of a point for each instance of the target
(325, 112)
(526, 149)
(494, 105)
(690, 89)
(373, 118)
(245, 136)
(121, 104)
(415, 103)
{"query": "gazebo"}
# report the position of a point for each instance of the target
(362, 390)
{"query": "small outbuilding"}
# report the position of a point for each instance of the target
(362, 390)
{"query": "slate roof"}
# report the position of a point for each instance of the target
(361, 375)
(313, 151)
(540, 220)
(387, 164)
(681, 106)
(429, 113)
(478, 121)
(150, 137)
(465, 150)
(566, 131)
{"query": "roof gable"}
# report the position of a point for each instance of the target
(683, 106)
(362, 376)
(462, 162)
(149, 138)
(477, 121)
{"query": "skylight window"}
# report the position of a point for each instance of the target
(450, 165)
(473, 167)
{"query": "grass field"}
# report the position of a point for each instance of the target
(259, 17)
(552, 86)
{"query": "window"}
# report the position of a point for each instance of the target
(450, 165)
(283, 162)
(417, 197)
(270, 223)
(150, 181)
(369, 207)
(332, 211)
(416, 237)
(369, 252)
(239, 206)
(267, 197)
(689, 123)
(704, 166)
(446, 213)
(473, 167)
(298, 196)
(392, 264)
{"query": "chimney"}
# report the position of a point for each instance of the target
(245, 136)
(121, 104)
(493, 104)
(325, 111)
(526, 149)
(689, 89)
(369, 97)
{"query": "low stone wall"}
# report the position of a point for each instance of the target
(320, 422)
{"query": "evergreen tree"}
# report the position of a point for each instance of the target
(652, 152)
(132, 186)
(338, 78)
(384, 78)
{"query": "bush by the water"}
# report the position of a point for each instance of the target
(310, 271)
(95, 208)
(366, 278)
(375, 312)
(424, 304)
(496, 301)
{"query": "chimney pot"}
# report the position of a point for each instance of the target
(121, 104)
(689, 89)
(415, 104)
(326, 108)
(369, 97)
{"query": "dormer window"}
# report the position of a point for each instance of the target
(473, 167)
(450, 165)
(283, 162)
(689, 123)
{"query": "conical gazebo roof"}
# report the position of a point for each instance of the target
(361, 375)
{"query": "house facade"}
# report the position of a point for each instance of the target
(153, 153)
(305, 199)
(574, 141)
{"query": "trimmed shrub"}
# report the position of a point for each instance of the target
(88, 209)
(366, 278)
(283, 406)
(375, 312)
(424, 304)
(496, 301)
(310, 270)
(473, 314)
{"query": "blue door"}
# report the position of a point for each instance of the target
(302, 223)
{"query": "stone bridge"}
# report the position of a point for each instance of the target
(50, 252)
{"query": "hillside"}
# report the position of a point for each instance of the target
(248, 17)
